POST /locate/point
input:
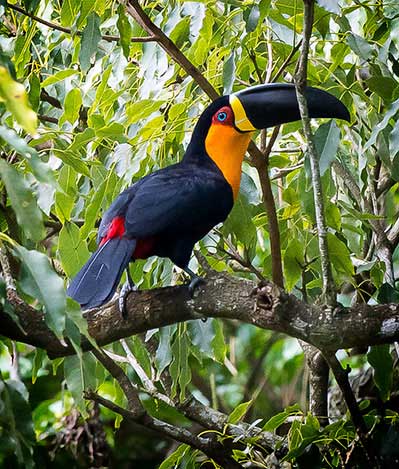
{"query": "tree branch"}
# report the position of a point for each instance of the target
(223, 296)
(318, 382)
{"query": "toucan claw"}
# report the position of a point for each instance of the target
(196, 281)
(127, 287)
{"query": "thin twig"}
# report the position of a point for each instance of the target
(148, 384)
(341, 377)
(318, 380)
(282, 172)
(58, 27)
(177, 433)
(50, 120)
(300, 84)
(127, 387)
(286, 62)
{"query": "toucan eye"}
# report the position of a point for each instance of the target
(222, 116)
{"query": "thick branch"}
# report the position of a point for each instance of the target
(223, 296)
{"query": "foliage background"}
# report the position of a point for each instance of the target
(111, 111)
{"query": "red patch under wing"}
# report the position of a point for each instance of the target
(144, 248)
(116, 228)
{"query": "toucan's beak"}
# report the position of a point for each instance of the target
(263, 106)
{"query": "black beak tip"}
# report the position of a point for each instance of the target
(323, 104)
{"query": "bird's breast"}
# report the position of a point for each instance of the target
(226, 147)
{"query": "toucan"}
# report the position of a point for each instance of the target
(166, 212)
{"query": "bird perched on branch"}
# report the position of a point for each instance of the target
(168, 211)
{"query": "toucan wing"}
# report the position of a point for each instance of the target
(183, 199)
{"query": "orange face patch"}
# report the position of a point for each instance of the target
(226, 146)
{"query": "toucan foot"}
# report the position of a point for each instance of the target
(127, 287)
(196, 281)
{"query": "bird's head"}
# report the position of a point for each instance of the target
(224, 129)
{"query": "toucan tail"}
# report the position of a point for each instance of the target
(98, 279)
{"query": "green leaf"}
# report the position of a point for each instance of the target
(380, 359)
(333, 216)
(65, 198)
(394, 140)
(70, 159)
(81, 140)
(16, 420)
(80, 375)
(202, 333)
(93, 209)
(339, 255)
(377, 129)
(86, 6)
(115, 131)
(219, 343)
(42, 283)
(40, 357)
(327, 139)
(59, 76)
(34, 91)
(15, 98)
(301, 435)
(383, 86)
(239, 412)
(274, 422)
(31, 5)
(141, 353)
(91, 36)
(141, 109)
(29, 217)
(69, 12)
(253, 18)
(359, 46)
(72, 105)
(240, 223)
(179, 368)
(229, 73)
(72, 249)
(163, 355)
(293, 260)
(388, 294)
(125, 30)
(41, 170)
(173, 460)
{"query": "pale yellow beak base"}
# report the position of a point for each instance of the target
(240, 118)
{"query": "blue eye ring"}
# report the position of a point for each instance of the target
(222, 116)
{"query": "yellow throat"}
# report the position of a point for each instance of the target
(226, 147)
